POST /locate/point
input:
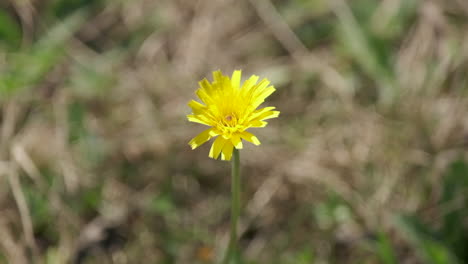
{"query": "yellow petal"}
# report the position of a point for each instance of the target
(200, 139)
(227, 151)
(199, 119)
(196, 107)
(236, 141)
(217, 76)
(217, 146)
(260, 112)
(235, 79)
(261, 86)
(258, 123)
(204, 95)
(214, 132)
(256, 120)
(205, 85)
(250, 138)
(249, 84)
(226, 84)
(266, 115)
(255, 89)
(260, 98)
(269, 115)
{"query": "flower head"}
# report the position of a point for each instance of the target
(229, 109)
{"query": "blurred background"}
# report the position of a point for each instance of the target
(366, 164)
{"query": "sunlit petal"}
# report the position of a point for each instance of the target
(226, 153)
(236, 141)
(250, 138)
(200, 139)
(217, 146)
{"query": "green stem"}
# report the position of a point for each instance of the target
(233, 255)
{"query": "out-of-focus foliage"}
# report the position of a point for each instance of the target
(366, 164)
(446, 243)
(27, 67)
(10, 32)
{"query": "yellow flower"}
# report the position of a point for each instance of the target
(230, 109)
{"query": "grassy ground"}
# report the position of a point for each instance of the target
(366, 164)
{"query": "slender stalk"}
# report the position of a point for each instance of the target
(233, 255)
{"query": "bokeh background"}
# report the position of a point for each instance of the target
(366, 164)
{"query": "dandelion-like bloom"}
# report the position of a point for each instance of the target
(230, 109)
